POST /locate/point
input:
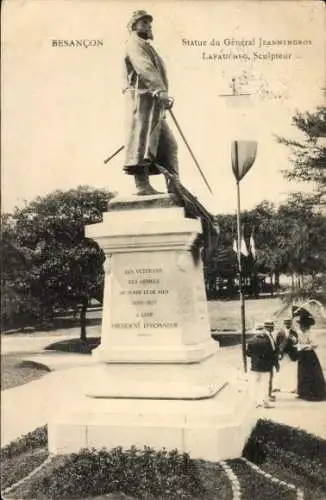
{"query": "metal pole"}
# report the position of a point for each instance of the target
(242, 301)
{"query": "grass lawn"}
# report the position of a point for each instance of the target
(223, 315)
(16, 372)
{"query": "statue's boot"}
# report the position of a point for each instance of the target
(143, 185)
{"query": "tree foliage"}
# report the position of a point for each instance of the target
(49, 265)
(289, 239)
(308, 156)
(60, 268)
(308, 241)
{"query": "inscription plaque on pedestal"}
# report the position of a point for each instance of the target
(143, 296)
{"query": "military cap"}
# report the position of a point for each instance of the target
(287, 321)
(268, 322)
(136, 15)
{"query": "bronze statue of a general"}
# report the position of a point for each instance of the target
(149, 139)
(150, 145)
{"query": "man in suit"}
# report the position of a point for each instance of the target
(286, 341)
(149, 138)
(263, 354)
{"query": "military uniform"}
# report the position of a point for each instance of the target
(149, 138)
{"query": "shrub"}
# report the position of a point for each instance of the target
(35, 439)
(143, 473)
(296, 449)
(19, 466)
(288, 438)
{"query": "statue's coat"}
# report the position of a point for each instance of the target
(145, 76)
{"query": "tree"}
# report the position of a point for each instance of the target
(309, 155)
(309, 238)
(222, 269)
(222, 265)
(65, 268)
(305, 232)
(268, 231)
(18, 306)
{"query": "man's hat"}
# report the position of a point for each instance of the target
(258, 327)
(138, 14)
(287, 321)
(268, 322)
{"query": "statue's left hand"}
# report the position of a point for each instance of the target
(165, 100)
(169, 103)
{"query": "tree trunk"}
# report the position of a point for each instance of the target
(272, 286)
(83, 311)
(299, 281)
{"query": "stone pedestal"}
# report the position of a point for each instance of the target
(155, 370)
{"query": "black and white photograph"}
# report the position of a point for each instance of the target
(163, 249)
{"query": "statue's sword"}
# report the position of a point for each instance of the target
(114, 154)
(184, 140)
(188, 147)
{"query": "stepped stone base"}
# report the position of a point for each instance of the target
(212, 429)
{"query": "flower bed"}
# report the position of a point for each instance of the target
(291, 455)
(22, 456)
(255, 486)
(288, 438)
(18, 467)
(139, 473)
(311, 490)
(288, 460)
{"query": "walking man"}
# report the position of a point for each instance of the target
(263, 354)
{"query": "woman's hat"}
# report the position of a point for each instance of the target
(303, 315)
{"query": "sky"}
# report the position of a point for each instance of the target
(63, 107)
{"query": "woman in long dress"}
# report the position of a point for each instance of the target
(286, 340)
(311, 381)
